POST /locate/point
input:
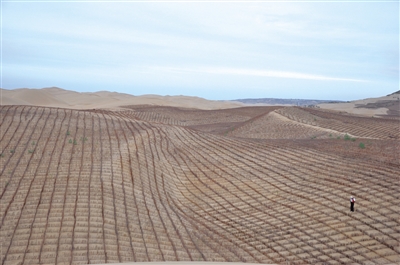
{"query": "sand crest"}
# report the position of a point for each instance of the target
(57, 97)
(359, 106)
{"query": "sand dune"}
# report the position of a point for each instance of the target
(154, 184)
(180, 263)
(266, 185)
(368, 107)
(57, 97)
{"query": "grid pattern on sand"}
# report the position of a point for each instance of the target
(81, 187)
(367, 127)
(276, 126)
(194, 117)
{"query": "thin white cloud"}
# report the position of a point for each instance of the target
(256, 72)
(211, 47)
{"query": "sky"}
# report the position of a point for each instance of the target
(328, 50)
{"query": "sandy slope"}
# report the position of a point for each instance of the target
(181, 263)
(57, 97)
(350, 107)
(91, 187)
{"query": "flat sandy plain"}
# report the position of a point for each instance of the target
(135, 182)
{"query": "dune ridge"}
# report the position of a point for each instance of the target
(57, 97)
(61, 98)
(148, 183)
(368, 106)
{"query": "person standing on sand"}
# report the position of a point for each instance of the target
(352, 201)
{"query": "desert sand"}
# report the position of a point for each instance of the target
(351, 107)
(180, 263)
(57, 97)
(61, 98)
(154, 183)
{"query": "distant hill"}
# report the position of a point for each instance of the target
(386, 106)
(394, 93)
(62, 98)
(280, 101)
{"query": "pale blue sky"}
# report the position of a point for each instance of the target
(225, 50)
